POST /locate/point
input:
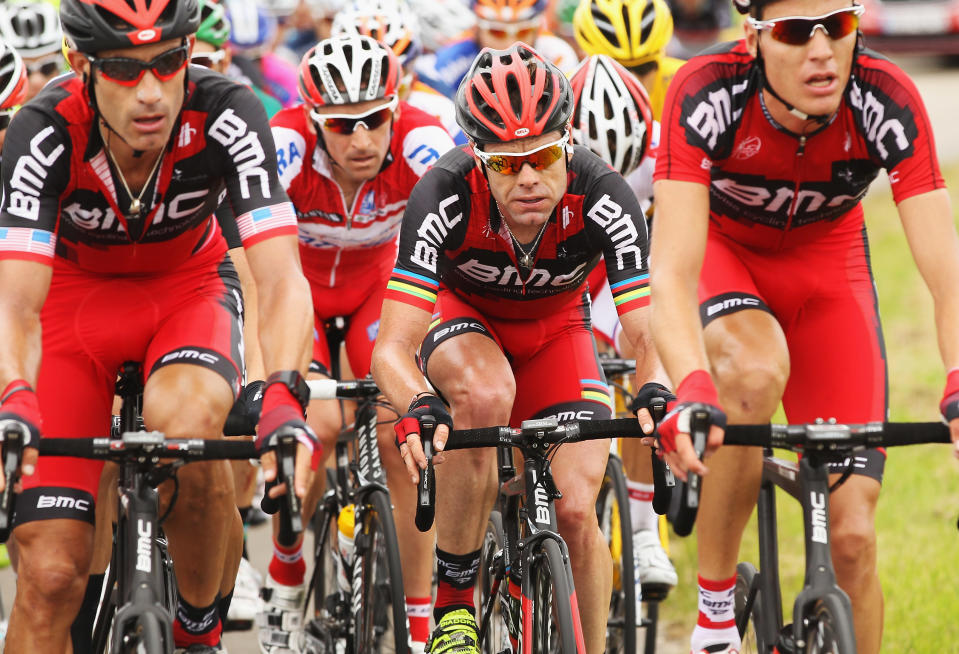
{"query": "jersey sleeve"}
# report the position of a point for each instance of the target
(224, 216)
(35, 171)
(436, 214)
(240, 137)
(424, 145)
(615, 220)
(704, 104)
(896, 127)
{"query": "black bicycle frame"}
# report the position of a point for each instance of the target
(811, 490)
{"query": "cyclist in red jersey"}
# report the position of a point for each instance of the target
(109, 252)
(768, 145)
(489, 284)
(349, 158)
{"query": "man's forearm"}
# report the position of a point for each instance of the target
(20, 347)
(286, 324)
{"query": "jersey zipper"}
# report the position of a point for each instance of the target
(349, 220)
(794, 203)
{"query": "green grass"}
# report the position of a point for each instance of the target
(919, 504)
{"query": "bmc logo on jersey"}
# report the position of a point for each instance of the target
(432, 232)
(710, 113)
(621, 229)
(889, 128)
(29, 174)
(245, 147)
(509, 275)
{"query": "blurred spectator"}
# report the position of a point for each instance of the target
(443, 22)
(393, 23)
(499, 23)
(33, 30)
(253, 36)
(699, 24)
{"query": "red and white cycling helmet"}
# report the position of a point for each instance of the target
(512, 94)
(390, 22)
(612, 115)
(348, 69)
(95, 25)
(442, 21)
(13, 79)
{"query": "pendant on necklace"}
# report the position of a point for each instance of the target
(135, 208)
(527, 261)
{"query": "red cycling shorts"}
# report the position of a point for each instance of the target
(359, 299)
(824, 297)
(94, 323)
(553, 359)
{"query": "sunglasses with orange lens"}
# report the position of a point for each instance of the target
(503, 30)
(510, 163)
(798, 30)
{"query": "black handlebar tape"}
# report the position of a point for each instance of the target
(81, 447)
(464, 439)
(615, 428)
(756, 435)
(911, 433)
(426, 488)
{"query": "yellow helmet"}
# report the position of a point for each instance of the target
(633, 32)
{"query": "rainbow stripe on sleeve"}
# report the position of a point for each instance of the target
(418, 290)
(596, 391)
(631, 293)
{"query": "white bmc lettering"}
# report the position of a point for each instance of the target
(509, 275)
(566, 416)
(731, 303)
(758, 196)
(432, 232)
(245, 148)
(205, 357)
(713, 116)
(818, 503)
(62, 502)
(542, 505)
(28, 175)
(92, 218)
(875, 121)
(620, 228)
(144, 545)
(458, 327)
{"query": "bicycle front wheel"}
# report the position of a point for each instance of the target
(748, 608)
(549, 602)
(492, 590)
(379, 618)
(612, 510)
(827, 628)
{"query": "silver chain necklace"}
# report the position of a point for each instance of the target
(526, 260)
(134, 210)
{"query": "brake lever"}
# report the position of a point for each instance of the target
(698, 432)
(13, 439)
(426, 487)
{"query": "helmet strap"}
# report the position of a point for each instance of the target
(822, 119)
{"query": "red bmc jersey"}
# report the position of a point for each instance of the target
(770, 188)
(453, 234)
(340, 243)
(60, 189)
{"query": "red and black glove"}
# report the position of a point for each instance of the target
(284, 405)
(422, 405)
(19, 402)
(696, 392)
(949, 405)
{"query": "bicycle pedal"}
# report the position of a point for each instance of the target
(786, 643)
(655, 592)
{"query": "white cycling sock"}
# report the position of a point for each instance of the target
(717, 619)
(641, 506)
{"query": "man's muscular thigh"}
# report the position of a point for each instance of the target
(750, 362)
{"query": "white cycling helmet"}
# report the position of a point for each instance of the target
(32, 28)
(612, 114)
(13, 79)
(281, 8)
(391, 22)
(442, 21)
(346, 70)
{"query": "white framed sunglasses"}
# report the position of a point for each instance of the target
(208, 59)
(347, 123)
(798, 30)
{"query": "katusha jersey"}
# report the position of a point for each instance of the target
(338, 243)
(770, 188)
(60, 192)
(453, 235)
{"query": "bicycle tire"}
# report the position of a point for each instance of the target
(548, 598)
(324, 567)
(496, 638)
(828, 627)
(381, 610)
(749, 625)
(612, 510)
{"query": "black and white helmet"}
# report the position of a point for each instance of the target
(32, 28)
